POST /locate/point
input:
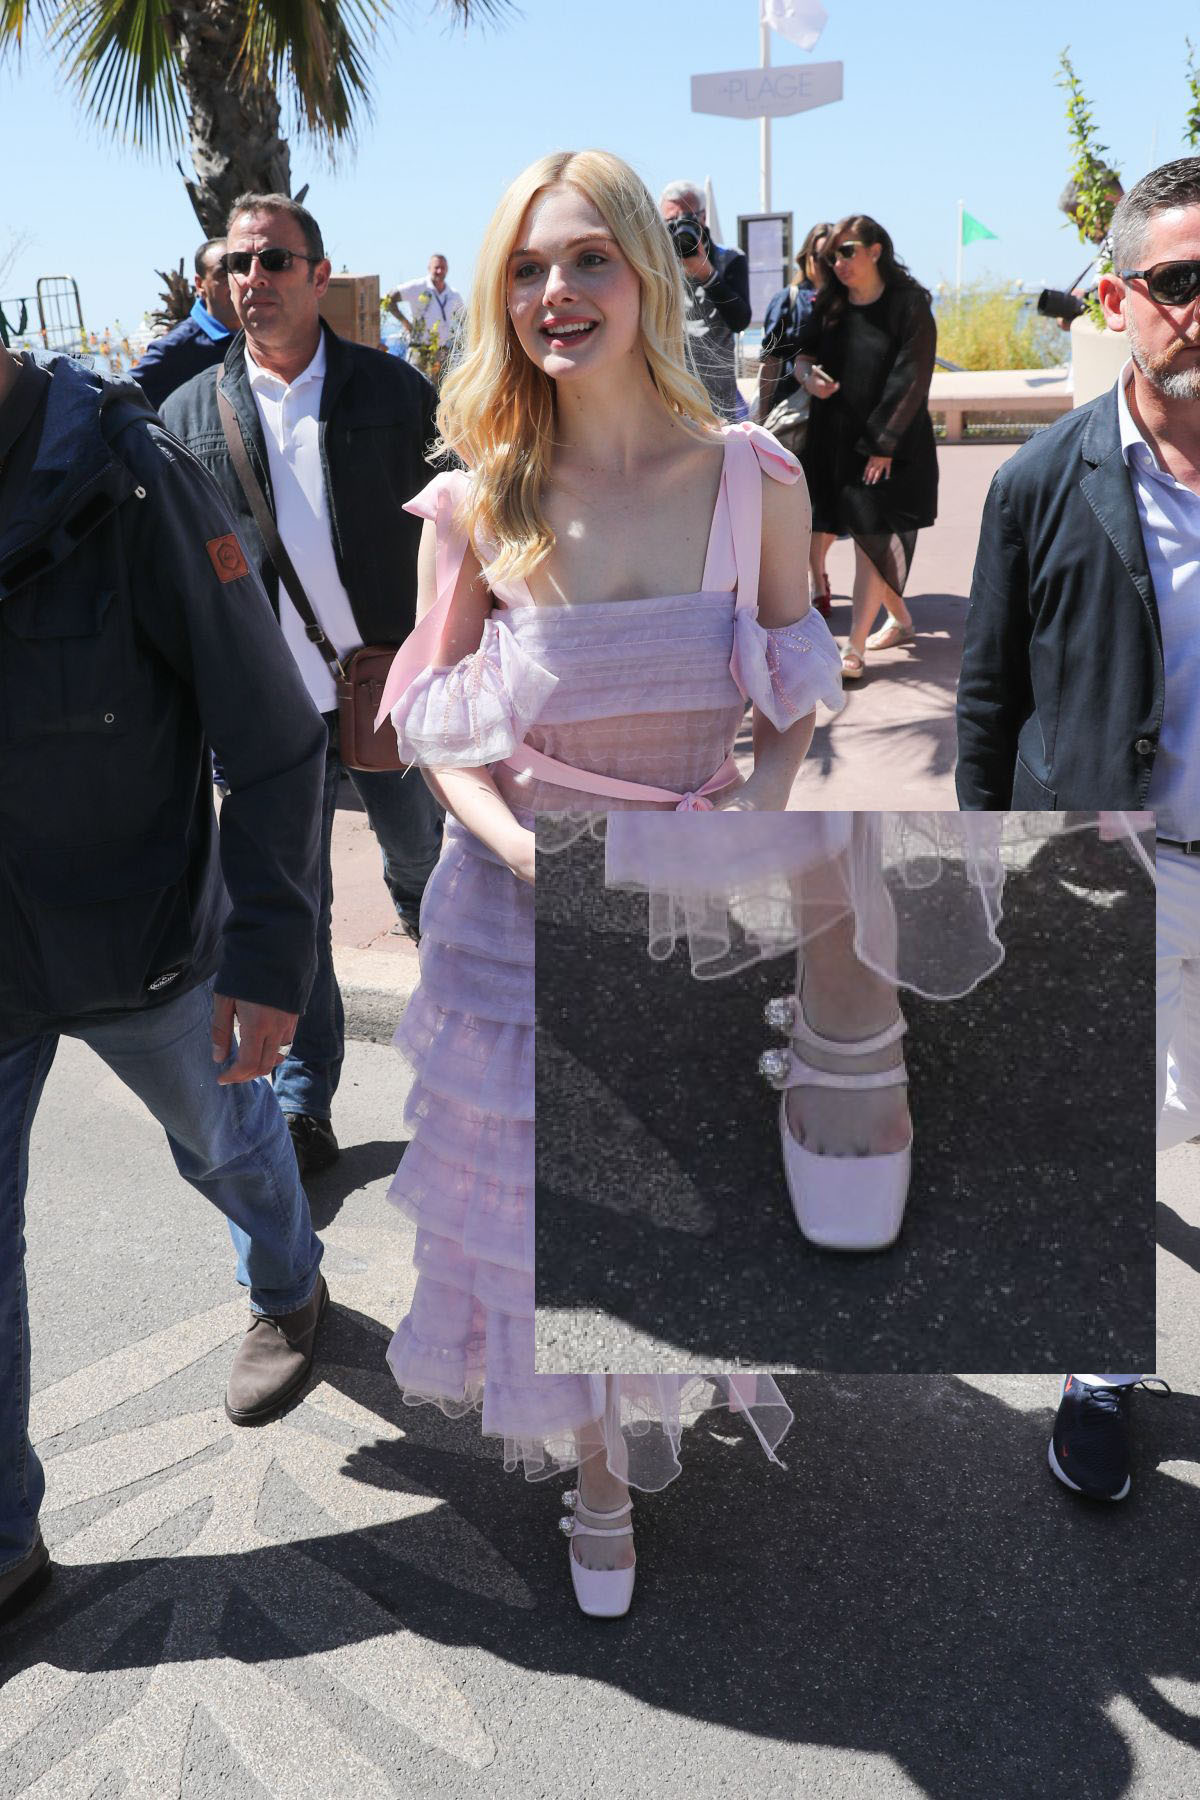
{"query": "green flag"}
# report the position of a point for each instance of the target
(972, 229)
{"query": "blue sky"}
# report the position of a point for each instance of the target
(943, 99)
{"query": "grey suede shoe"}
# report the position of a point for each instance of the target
(24, 1582)
(273, 1361)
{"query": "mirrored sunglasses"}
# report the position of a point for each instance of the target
(1170, 283)
(273, 260)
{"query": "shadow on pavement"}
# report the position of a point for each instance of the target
(916, 1586)
(357, 1167)
(661, 1207)
(1177, 1237)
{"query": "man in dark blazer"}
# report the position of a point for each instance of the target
(336, 434)
(1081, 672)
(1064, 697)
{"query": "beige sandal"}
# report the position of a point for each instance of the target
(889, 636)
(853, 664)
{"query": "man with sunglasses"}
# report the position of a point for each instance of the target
(335, 434)
(1081, 669)
(198, 341)
(1081, 657)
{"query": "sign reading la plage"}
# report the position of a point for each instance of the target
(767, 93)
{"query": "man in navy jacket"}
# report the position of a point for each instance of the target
(132, 634)
(198, 341)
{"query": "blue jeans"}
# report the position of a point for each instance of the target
(230, 1143)
(407, 824)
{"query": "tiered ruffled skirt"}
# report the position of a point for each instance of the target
(467, 1181)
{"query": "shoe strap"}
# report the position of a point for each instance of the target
(582, 1528)
(804, 1034)
(804, 1074)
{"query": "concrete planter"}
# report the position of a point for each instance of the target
(1097, 358)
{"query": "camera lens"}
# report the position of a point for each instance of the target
(687, 235)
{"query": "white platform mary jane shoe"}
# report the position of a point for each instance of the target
(601, 1593)
(840, 1202)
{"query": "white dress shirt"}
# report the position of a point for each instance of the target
(1169, 514)
(427, 305)
(289, 415)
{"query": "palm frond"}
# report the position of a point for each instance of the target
(124, 59)
(470, 12)
(317, 51)
(16, 16)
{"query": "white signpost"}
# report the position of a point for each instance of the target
(765, 94)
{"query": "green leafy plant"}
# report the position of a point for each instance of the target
(1191, 128)
(1094, 177)
(428, 343)
(993, 325)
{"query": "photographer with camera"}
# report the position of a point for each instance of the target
(718, 283)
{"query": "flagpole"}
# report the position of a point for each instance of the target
(958, 256)
(764, 124)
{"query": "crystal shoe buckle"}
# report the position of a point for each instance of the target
(773, 1066)
(780, 1014)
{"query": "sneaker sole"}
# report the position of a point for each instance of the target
(1056, 1469)
(280, 1402)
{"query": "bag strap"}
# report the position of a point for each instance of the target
(265, 520)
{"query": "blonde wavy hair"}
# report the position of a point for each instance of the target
(497, 409)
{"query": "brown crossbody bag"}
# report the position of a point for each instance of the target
(360, 680)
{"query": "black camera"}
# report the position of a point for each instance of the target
(689, 235)
(1052, 304)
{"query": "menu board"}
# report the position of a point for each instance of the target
(766, 241)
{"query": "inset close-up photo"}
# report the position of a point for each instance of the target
(866, 1092)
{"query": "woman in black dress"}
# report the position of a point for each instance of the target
(866, 355)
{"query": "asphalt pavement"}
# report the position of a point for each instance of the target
(357, 1601)
(665, 1237)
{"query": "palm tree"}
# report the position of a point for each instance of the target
(218, 69)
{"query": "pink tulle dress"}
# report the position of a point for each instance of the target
(648, 693)
(924, 890)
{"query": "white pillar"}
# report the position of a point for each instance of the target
(764, 127)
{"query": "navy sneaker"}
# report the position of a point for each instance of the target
(1089, 1447)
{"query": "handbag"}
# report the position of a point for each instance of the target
(788, 418)
(360, 680)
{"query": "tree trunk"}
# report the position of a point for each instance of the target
(235, 140)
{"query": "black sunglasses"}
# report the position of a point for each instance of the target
(1170, 283)
(843, 252)
(273, 260)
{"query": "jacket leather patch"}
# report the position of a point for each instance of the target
(225, 553)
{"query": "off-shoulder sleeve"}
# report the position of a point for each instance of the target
(787, 670)
(476, 711)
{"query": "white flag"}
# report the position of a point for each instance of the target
(802, 21)
(710, 210)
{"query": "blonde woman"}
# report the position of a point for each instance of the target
(600, 590)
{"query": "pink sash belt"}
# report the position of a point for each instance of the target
(527, 761)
